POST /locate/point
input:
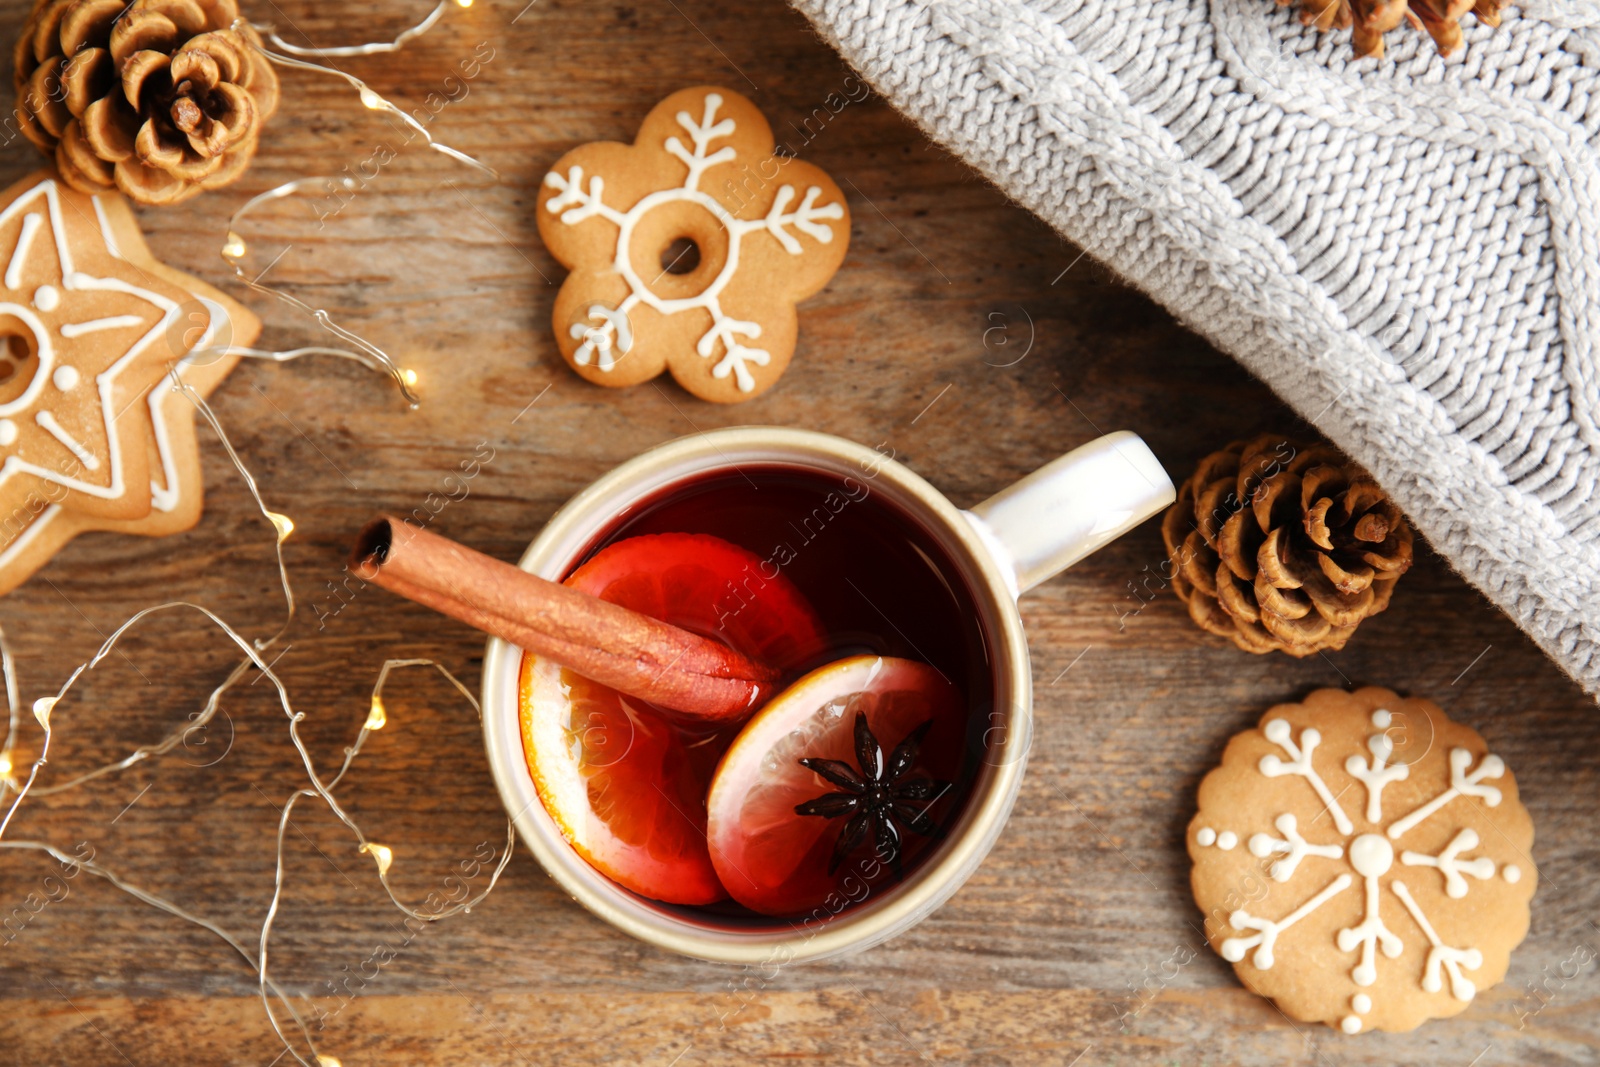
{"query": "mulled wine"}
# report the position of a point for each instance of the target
(840, 786)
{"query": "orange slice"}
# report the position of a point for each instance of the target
(619, 783)
(711, 587)
(775, 861)
(625, 787)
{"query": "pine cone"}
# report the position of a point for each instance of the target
(1285, 546)
(158, 98)
(1371, 19)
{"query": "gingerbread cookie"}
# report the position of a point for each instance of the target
(689, 248)
(1363, 861)
(92, 434)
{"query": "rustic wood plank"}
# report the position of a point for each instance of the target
(1051, 954)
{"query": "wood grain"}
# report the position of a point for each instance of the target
(960, 331)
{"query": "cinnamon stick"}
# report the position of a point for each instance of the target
(626, 650)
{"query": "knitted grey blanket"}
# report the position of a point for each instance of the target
(1407, 250)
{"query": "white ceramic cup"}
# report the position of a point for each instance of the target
(1006, 545)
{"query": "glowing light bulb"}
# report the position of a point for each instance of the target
(464, 3)
(408, 376)
(382, 853)
(371, 99)
(5, 765)
(328, 1061)
(235, 247)
(377, 718)
(41, 710)
(283, 523)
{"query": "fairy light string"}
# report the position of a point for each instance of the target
(254, 652)
(366, 353)
(302, 1047)
(235, 248)
(162, 904)
(13, 715)
(372, 100)
(379, 48)
(377, 719)
(41, 711)
(297, 57)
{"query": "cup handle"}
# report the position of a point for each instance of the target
(1070, 507)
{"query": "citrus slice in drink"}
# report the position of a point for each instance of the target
(711, 587)
(626, 786)
(618, 781)
(776, 861)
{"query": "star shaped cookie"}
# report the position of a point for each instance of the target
(93, 434)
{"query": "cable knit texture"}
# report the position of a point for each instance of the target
(1406, 249)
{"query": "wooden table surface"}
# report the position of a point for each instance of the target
(961, 331)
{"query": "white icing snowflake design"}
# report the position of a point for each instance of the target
(608, 334)
(1371, 856)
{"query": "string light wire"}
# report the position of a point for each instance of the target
(170, 908)
(368, 354)
(254, 658)
(13, 715)
(379, 48)
(41, 711)
(384, 854)
(235, 248)
(407, 376)
(374, 101)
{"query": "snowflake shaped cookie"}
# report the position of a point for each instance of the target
(1363, 861)
(92, 436)
(689, 248)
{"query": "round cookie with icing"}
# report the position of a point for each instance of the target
(689, 248)
(1363, 861)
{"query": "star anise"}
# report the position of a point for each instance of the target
(878, 796)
